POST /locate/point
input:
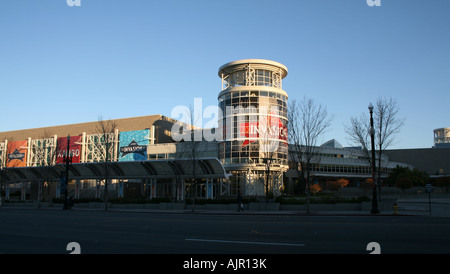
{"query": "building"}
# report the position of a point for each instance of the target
(138, 157)
(254, 125)
(334, 161)
(435, 162)
(442, 137)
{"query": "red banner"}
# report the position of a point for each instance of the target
(74, 149)
(271, 128)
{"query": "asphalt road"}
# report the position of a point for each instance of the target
(49, 232)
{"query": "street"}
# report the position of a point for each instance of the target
(96, 232)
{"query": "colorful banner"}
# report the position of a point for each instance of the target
(269, 127)
(74, 149)
(17, 154)
(133, 145)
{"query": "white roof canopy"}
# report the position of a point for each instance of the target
(181, 168)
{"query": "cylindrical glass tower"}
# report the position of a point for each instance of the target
(253, 125)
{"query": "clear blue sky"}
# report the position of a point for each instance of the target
(125, 58)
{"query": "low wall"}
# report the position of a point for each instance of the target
(264, 206)
(20, 204)
(324, 207)
(384, 205)
(163, 206)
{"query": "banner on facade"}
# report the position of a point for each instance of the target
(74, 149)
(133, 145)
(268, 127)
(17, 154)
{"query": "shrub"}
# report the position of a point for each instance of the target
(139, 200)
(322, 200)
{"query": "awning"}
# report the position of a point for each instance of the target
(170, 168)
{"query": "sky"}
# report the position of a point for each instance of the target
(62, 64)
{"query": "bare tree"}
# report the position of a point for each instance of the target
(106, 141)
(307, 122)
(45, 152)
(268, 143)
(387, 124)
(190, 141)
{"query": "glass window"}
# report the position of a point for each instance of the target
(238, 79)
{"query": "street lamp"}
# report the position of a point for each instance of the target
(375, 209)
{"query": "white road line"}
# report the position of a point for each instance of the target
(243, 242)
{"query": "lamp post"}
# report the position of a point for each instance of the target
(67, 160)
(375, 209)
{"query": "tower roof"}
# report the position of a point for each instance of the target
(257, 63)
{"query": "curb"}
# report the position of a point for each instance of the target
(211, 212)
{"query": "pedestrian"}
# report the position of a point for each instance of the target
(239, 202)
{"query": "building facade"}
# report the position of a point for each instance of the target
(131, 153)
(251, 157)
(253, 123)
(442, 137)
(334, 161)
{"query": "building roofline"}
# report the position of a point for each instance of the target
(253, 61)
(72, 129)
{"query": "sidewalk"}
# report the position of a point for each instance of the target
(406, 207)
(208, 212)
(405, 211)
(440, 207)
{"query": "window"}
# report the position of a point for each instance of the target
(263, 77)
(238, 79)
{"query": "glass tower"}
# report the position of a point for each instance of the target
(253, 123)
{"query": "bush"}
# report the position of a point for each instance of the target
(139, 200)
(220, 201)
(290, 201)
(87, 200)
(322, 200)
(77, 201)
(58, 200)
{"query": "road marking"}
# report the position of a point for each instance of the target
(243, 242)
